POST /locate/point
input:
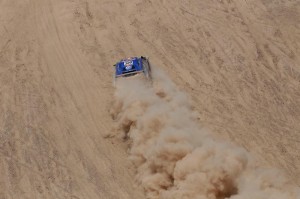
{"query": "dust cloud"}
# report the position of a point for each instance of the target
(177, 159)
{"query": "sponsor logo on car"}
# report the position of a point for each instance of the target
(128, 64)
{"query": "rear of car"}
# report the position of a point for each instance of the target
(129, 66)
(132, 66)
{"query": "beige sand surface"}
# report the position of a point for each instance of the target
(238, 60)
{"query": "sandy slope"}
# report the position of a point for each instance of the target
(237, 60)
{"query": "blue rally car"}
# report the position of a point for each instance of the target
(132, 66)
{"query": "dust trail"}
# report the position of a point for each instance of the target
(176, 159)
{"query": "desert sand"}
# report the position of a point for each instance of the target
(237, 61)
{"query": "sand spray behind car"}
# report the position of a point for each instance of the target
(175, 158)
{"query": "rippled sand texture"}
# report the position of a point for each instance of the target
(238, 61)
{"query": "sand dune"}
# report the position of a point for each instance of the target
(236, 61)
